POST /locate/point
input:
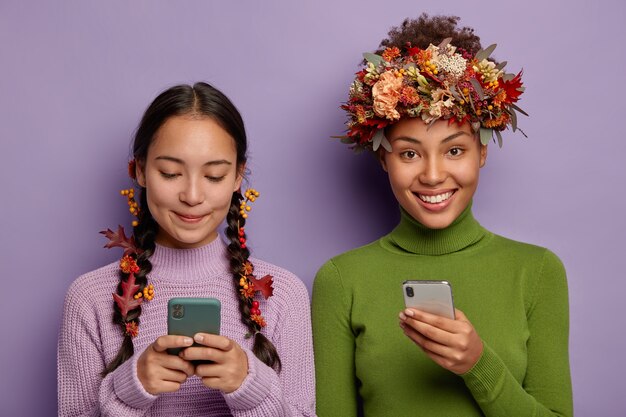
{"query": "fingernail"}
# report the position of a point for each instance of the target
(199, 338)
(402, 316)
(408, 312)
(188, 341)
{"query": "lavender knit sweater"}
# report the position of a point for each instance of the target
(88, 340)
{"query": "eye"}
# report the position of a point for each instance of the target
(408, 154)
(215, 179)
(456, 151)
(168, 176)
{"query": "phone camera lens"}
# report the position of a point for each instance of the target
(179, 311)
(409, 291)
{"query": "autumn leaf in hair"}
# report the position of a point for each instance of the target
(264, 285)
(127, 302)
(119, 239)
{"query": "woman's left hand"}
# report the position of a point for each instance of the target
(230, 362)
(452, 344)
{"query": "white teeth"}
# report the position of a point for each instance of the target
(433, 199)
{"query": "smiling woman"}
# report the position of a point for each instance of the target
(189, 160)
(433, 170)
(427, 104)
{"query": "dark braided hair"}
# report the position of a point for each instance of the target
(263, 348)
(426, 29)
(144, 234)
(201, 100)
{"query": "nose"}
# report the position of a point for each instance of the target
(433, 172)
(193, 193)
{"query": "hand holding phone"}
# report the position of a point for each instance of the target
(223, 364)
(159, 372)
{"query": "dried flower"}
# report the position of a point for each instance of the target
(386, 93)
(248, 268)
(258, 319)
(131, 328)
(128, 265)
(390, 53)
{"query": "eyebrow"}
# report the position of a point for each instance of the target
(180, 161)
(414, 140)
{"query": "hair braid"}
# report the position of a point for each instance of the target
(263, 348)
(144, 234)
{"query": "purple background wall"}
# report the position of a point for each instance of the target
(75, 77)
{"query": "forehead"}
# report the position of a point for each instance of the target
(417, 129)
(192, 137)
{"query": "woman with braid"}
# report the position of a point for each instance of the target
(427, 104)
(189, 161)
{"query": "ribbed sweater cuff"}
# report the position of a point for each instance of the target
(128, 388)
(486, 378)
(255, 388)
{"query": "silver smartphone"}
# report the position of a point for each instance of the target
(433, 297)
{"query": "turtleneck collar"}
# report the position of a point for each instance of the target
(414, 237)
(190, 264)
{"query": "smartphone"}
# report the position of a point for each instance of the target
(188, 316)
(433, 297)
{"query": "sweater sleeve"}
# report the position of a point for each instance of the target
(290, 392)
(81, 389)
(334, 344)
(546, 389)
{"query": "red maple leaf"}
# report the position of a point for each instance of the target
(264, 285)
(120, 239)
(127, 302)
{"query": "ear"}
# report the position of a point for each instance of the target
(380, 154)
(140, 174)
(483, 155)
(240, 171)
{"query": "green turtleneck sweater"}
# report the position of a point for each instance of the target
(514, 294)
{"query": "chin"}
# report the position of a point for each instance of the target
(432, 221)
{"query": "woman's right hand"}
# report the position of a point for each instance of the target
(160, 372)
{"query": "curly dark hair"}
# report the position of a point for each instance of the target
(426, 29)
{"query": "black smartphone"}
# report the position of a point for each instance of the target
(188, 316)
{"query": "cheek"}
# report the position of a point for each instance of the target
(400, 175)
(221, 195)
(467, 174)
(159, 191)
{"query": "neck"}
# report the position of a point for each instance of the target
(190, 264)
(412, 236)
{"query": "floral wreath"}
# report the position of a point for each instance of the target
(132, 296)
(439, 82)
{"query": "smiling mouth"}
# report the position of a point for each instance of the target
(188, 218)
(435, 199)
